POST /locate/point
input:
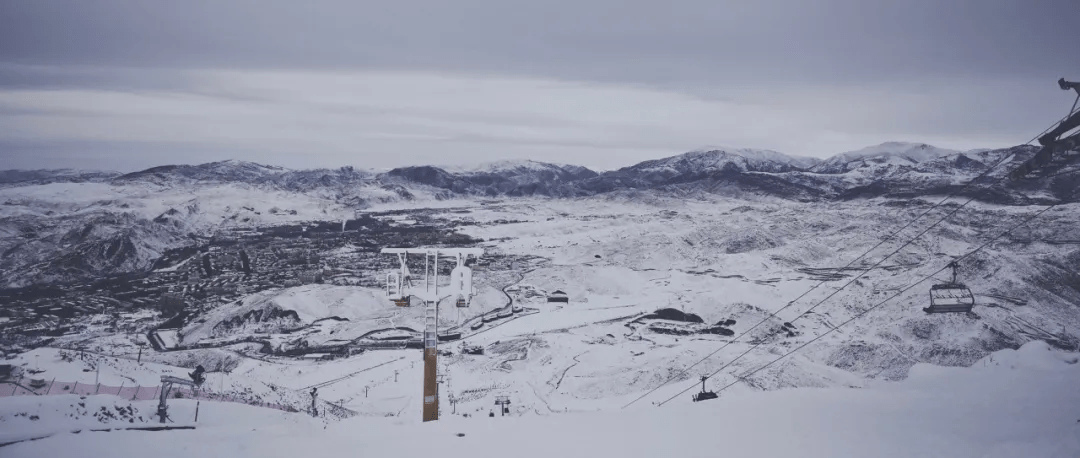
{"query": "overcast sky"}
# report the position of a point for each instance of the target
(125, 85)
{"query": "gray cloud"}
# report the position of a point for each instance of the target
(791, 40)
(807, 77)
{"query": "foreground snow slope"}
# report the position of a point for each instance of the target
(1015, 403)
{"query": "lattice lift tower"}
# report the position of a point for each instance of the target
(399, 288)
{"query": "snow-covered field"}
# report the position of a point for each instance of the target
(1014, 403)
(875, 387)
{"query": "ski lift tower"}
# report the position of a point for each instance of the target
(502, 402)
(399, 287)
(167, 382)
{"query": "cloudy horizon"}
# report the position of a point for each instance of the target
(125, 85)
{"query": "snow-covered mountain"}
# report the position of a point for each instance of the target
(511, 178)
(720, 160)
(892, 168)
(230, 171)
(662, 264)
(69, 223)
(885, 154)
(762, 155)
(512, 166)
(30, 177)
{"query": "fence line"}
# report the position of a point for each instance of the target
(136, 393)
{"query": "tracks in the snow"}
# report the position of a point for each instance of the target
(576, 362)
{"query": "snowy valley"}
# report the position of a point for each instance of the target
(271, 279)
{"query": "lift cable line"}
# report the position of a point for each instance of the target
(864, 312)
(849, 264)
(853, 280)
(971, 182)
(729, 363)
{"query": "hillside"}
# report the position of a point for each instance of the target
(941, 412)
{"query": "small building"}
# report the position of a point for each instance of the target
(558, 296)
(7, 371)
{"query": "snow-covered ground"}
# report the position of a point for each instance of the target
(866, 389)
(1014, 403)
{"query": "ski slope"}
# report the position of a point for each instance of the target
(1014, 403)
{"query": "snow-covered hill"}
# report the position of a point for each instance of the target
(230, 171)
(699, 163)
(29, 177)
(1012, 404)
(61, 231)
(517, 167)
(729, 262)
(57, 225)
(888, 153)
(510, 178)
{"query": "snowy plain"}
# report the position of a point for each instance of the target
(1015, 403)
(895, 382)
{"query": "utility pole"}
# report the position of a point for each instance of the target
(431, 368)
(395, 375)
(366, 390)
(461, 283)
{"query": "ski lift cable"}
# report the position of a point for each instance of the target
(849, 264)
(853, 280)
(864, 312)
(887, 238)
(729, 363)
(837, 291)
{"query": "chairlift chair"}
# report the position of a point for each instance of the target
(394, 289)
(704, 395)
(951, 297)
(461, 282)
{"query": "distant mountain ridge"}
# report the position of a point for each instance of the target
(887, 169)
(888, 152)
(113, 223)
(44, 176)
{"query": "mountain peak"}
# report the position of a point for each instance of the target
(893, 152)
(759, 154)
(503, 166)
(917, 152)
(238, 164)
(221, 171)
(718, 159)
